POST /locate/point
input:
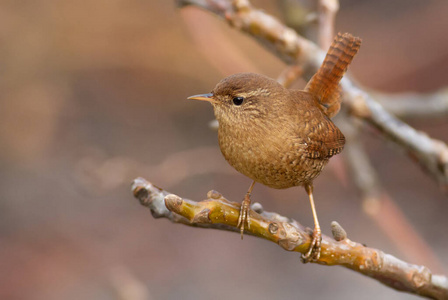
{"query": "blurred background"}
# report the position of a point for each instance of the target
(93, 94)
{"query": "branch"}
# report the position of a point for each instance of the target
(218, 213)
(411, 105)
(289, 75)
(430, 153)
(327, 14)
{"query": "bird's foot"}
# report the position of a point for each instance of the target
(313, 253)
(244, 214)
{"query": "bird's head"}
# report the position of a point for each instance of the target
(242, 97)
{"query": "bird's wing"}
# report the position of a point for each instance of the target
(325, 141)
(314, 131)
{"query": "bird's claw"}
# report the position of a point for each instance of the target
(313, 253)
(244, 215)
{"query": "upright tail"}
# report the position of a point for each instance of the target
(324, 85)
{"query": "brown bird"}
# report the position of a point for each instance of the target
(279, 137)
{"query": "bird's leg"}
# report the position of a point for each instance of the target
(244, 211)
(314, 250)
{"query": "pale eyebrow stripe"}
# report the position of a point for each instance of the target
(258, 92)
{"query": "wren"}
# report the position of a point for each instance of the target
(281, 137)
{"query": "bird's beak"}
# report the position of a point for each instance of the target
(202, 97)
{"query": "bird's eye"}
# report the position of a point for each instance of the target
(238, 101)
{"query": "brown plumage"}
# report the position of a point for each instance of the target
(279, 137)
(324, 85)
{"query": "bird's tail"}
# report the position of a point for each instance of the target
(324, 85)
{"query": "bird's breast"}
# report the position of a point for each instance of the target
(271, 158)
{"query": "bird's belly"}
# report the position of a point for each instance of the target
(276, 168)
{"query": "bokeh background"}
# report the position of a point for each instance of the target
(93, 95)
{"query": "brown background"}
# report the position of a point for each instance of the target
(93, 95)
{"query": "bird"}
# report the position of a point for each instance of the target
(282, 137)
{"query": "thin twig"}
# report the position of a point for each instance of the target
(327, 10)
(219, 213)
(415, 105)
(289, 75)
